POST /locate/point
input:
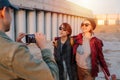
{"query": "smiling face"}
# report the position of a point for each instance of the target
(86, 26)
(65, 30)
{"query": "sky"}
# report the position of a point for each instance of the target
(100, 6)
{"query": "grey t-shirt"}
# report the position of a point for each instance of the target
(84, 54)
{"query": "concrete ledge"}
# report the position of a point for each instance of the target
(59, 6)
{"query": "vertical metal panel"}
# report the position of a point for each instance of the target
(69, 19)
(73, 25)
(31, 22)
(64, 18)
(54, 25)
(76, 25)
(59, 21)
(11, 33)
(40, 22)
(21, 21)
(79, 25)
(48, 25)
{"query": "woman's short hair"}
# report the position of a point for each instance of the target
(92, 21)
(67, 27)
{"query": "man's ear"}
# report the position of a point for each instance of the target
(2, 12)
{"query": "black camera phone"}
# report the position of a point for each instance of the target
(30, 38)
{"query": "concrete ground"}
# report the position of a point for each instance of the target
(111, 49)
(111, 52)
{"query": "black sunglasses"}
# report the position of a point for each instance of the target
(61, 28)
(85, 24)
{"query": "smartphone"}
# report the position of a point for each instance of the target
(30, 38)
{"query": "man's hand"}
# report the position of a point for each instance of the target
(40, 40)
(20, 36)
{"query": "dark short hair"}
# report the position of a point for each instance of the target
(67, 27)
(92, 21)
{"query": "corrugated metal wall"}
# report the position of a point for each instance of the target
(30, 20)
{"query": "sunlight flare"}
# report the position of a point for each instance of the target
(84, 3)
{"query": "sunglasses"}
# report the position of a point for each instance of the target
(61, 28)
(85, 24)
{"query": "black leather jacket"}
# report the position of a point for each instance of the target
(64, 52)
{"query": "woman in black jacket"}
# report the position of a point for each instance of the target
(63, 53)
